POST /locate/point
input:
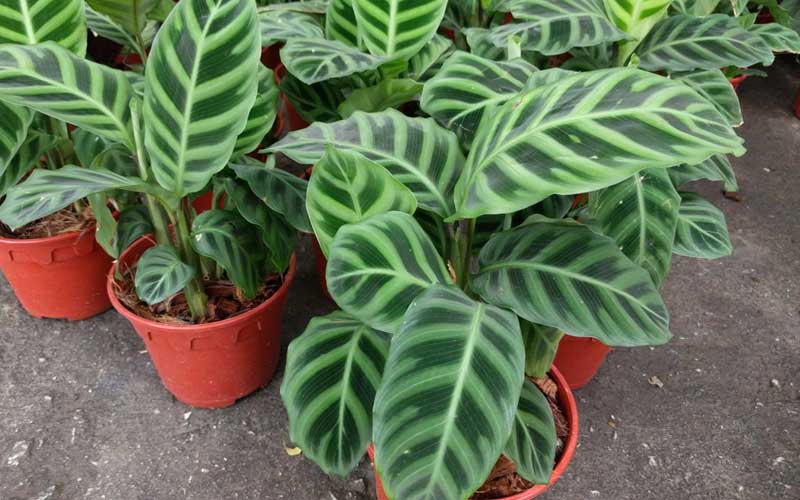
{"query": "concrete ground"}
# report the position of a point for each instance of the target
(83, 414)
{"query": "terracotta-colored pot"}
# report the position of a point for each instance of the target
(293, 120)
(58, 277)
(321, 264)
(579, 358)
(211, 365)
(566, 401)
(271, 56)
(737, 80)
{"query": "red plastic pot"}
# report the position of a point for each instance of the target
(59, 277)
(737, 80)
(566, 401)
(211, 365)
(271, 56)
(293, 120)
(579, 358)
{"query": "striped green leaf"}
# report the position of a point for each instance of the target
(103, 25)
(779, 38)
(701, 230)
(541, 346)
(481, 44)
(398, 28)
(133, 223)
(347, 188)
(636, 18)
(468, 86)
(333, 371)
(13, 130)
(341, 24)
(262, 114)
(446, 406)
(389, 93)
(55, 82)
(160, 274)
(27, 156)
(553, 28)
(29, 22)
(199, 90)
(307, 6)
(422, 155)
(586, 132)
(281, 191)
(685, 43)
(278, 236)
(48, 191)
(314, 103)
(640, 215)
(228, 239)
(377, 267)
(315, 60)
(715, 168)
(130, 14)
(279, 26)
(532, 444)
(697, 7)
(425, 63)
(714, 86)
(559, 273)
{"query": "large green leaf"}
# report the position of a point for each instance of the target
(48, 191)
(160, 273)
(130, 14)
(13, 130)
(199, 91)
(279, 26)
(714, 86)
(314, 60)
(29, 22)
(262, 114)
(561, 274)
(684, 43)
(532, 444)
(715, 168)
(55, 82)
(481, 44)
(228, 239)
(333, 371)
(640, 215)
(423, 156)
(779, 38)
(446, 406)
(314, 103)
(586, 132)
(279, 238)
(701, 231)
(553, 28)
(341, 24)
(27, 156)
(281, 191)
(468, 86)
(377, 267)
(426, 62)
(347, 188)
(389, 93)
(398, 28)
(133, 223)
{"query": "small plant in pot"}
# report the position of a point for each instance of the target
(205, 292)
(455, 276)
(53, 263)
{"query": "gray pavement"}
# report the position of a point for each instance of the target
(83, 414)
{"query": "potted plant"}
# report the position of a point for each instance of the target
(54, 264)
(455, 275)
(204, 292)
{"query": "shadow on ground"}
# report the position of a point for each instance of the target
(83, 414)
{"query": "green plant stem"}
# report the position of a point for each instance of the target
(156, 216)
(541, 345)
(196, 298)
(461, 251)
(142, 48)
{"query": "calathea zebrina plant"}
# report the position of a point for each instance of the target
(427, 357)
(205, 100)
(362, 56)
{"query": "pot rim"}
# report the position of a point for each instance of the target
(48, 240)
(204, 327)
(567, 403)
